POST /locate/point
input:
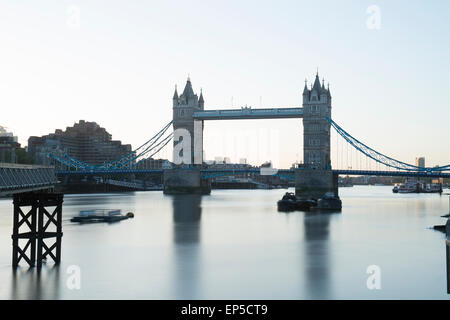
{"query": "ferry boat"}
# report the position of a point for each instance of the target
(417, 187)
(101, 215)
(409, 187)
(432, 188)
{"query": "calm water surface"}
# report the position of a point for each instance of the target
(234, 244)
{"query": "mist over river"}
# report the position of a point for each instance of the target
(234, 244)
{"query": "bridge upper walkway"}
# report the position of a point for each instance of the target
(18, 178)
(249, 113)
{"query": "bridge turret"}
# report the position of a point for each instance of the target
(305, 92)
(201, 102)
(323, 92)
(175, 97)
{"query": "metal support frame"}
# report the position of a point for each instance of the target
(38, 220)
(447, 258)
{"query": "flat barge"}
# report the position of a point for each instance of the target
(101, 215)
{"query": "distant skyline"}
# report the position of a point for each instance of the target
(118, 64)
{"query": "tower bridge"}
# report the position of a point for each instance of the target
(315, 177)
(313, 181)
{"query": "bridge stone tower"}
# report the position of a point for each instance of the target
(315, 177)
(184, 107)
(316, 129)
(186, 178)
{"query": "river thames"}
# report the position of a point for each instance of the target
(233, 244)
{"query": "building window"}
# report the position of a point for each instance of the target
(314, 158)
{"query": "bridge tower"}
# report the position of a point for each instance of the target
(185, 178)
(315, 177)
(316, 129)
(184, 107)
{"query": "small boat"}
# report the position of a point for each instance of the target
(432, 188)
(101, 215)
(410, 187)
(329, 202)
(417, 187)
(290, 202)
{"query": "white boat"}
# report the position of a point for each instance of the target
(417, 187)
(432, 188)
(409, 187)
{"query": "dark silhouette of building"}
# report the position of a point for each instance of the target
(8, 146)
(85, 141)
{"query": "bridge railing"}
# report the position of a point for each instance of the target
(17, 177)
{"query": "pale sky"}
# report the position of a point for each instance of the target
(118, 67)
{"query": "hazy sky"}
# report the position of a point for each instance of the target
(119, 62)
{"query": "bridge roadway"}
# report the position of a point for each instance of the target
(217, 172)
(19, 178)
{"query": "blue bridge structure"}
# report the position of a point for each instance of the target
(316, 175)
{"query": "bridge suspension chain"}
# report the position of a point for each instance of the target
(128, 159)
(380, 158)
(140, 151)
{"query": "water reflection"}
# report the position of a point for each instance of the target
(187, 213)
(317, 255)
(34, 283)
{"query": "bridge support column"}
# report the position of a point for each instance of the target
(447, 256)
(447, 253)
(310, 183)
(185, 181)
(39, 222)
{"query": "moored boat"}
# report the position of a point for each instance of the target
(432, 188)
(409, 187)
(290, 202)
(329, 202)
(417, 187)
(101, 215)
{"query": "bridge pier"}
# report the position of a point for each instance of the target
(314, 183)
(185, 181)
(38, 220)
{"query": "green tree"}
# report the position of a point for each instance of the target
(23, 157)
